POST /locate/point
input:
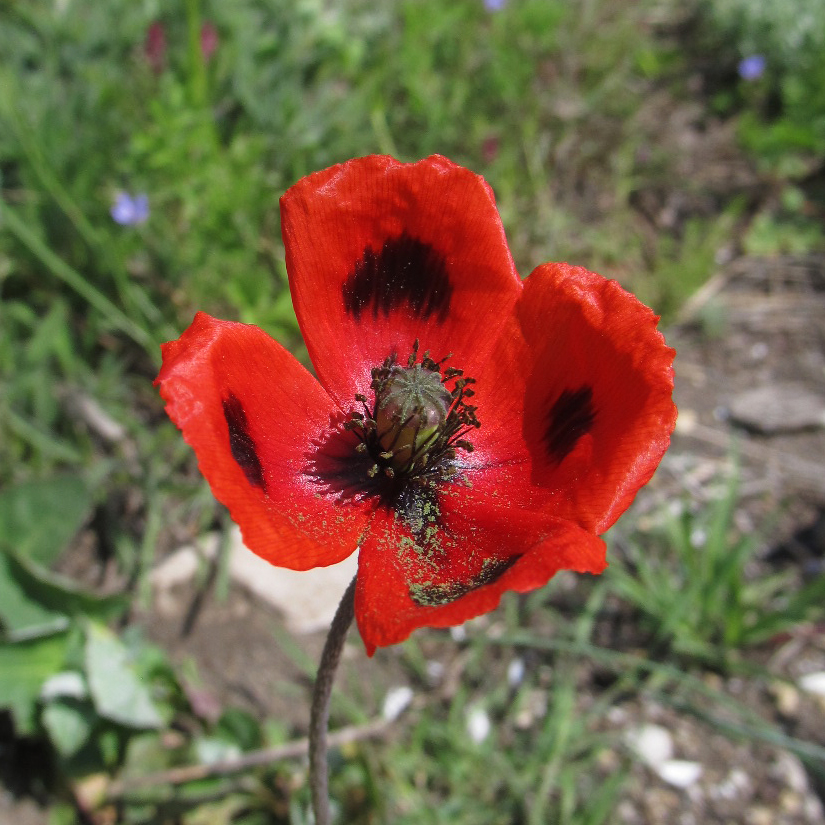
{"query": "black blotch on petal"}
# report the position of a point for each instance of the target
(241, 443)
(336, 468)
(570, 417)
(405, 271)
(433, 595)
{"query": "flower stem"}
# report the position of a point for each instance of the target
(319, 716)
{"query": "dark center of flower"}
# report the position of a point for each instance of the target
(417, 422)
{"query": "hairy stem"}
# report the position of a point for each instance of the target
(319, 716)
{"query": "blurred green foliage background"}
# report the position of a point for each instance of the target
(573, 111)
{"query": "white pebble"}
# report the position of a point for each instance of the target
(396, 702)
(813, 682)
(679, 772)
(478, 724)
(515, 672)
(653, 744)
(435, 670)
(759, 350)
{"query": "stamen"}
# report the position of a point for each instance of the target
(417, 423)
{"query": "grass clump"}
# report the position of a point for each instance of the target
(691, 578)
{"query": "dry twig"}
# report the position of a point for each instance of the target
(254, 759)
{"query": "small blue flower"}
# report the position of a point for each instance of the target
(130, 211)
(753, 67)
(494, 5)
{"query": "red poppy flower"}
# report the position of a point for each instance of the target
(469, 432)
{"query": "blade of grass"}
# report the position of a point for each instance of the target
(45, 442)
(133, 298)
(148, 545)
(73, 279)
(561, 717)
(752, 726)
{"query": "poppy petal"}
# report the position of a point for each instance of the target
(381, 254)
(260, 426)
(588, 381)
(473, 550)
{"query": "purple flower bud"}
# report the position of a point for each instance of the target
(753, 67)
(154, 47)
(209, 40)
(129, 211)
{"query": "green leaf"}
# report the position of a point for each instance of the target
(62, 814)
(110, 742)
(68, 684)
(146, 753)
(22, 616)
(36, 602)
(225, 812)
(24, 666)
(69, 723)
(119, 693)
(240, 728)
(39, 518)
(62, 593)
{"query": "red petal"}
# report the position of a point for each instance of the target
(479, 550)
(381, 253)
(593, 380)
(255, 418)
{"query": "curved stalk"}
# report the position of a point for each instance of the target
(319, 716)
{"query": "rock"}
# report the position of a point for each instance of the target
(791, 772)
(396, 702)
(679, 772)
(787, 698)
(608, 760)
(180, 567)
(458, 633)
(736, 785)
(759, 815)
(515, 672)
(790, 802)
(777, 408)
(686, 422)
(653, 744)
(435, 671)
(627, 813)
(478, 724)
(813, 683)
(308, 598)
(533, 706)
